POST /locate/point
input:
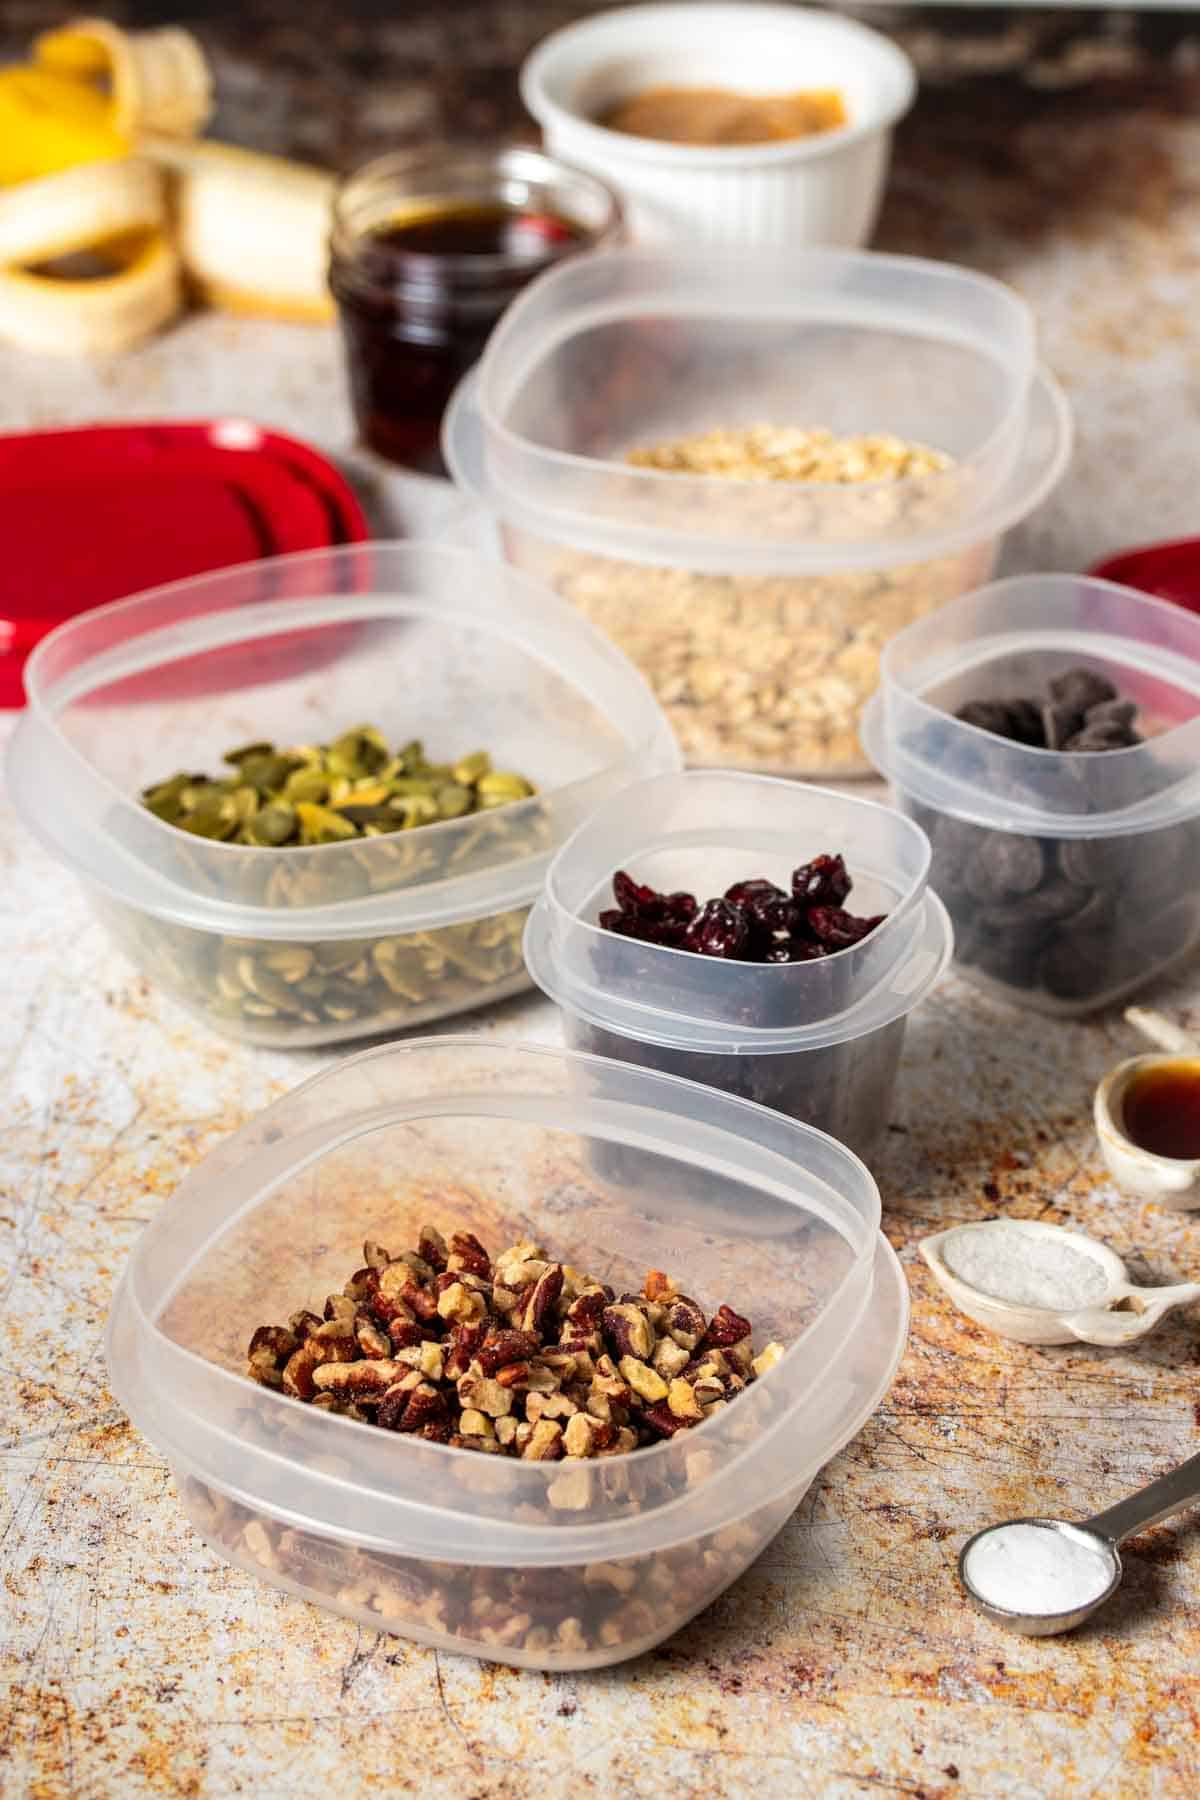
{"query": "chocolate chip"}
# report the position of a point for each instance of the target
(1060, 721)
(1004, 865)
(1081, 689)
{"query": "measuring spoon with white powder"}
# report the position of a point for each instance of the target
(1042, 1284)
(1043, 1576)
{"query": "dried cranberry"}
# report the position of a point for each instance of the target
(836, 929)
(717, 930)
(747, 893)
(630, 896)
(794, 950)
(821, 882)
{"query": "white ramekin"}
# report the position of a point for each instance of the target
(823, 189)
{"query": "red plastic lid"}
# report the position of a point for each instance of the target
(99, 512)
(1169, 571)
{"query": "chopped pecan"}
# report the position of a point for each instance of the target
(642, 1379)
(425, 1406)
(466, 1252)
(374, 1255)
(682, 1401)
(431, 1247)
(514, 1375)
(658, 1286)
(485, 1395)
(269, 1348)
(460, 1304)
(670, 1358)
(725, 1327)
(539, 1308)
(502, 1347)
(663, 1420)
(585, 1311)
(462, 1345)
(685, 1322)
(628, 1330)
(545, 1442)
(398, 1284)
(303, 1324)
(370, 1340)
(404, 1333)
(365, 1382)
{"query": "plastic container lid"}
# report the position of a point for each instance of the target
(1170, 571)
(100, 511)
(423, 639)
(1010, 638)
(702, 831)
(733, 1195)
(632, 347)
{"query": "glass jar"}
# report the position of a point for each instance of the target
(427, 249)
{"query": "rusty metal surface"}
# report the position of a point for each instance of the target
(845, 1663)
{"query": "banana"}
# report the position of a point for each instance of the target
(110, 312)
(157, 80)
(251, 229)
(75, 208)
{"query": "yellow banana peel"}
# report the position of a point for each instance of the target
(98, 157)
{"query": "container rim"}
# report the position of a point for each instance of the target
(1041, 458)
(195, 1425)
(926, 777)
(520, 163)
(893, 93)
(899, 930)
(534, 621)
(894, 996)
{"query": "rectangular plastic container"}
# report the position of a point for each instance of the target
(819, 1041)
(756, 609)
(1072, 878)
(303, 946)
(564, 1565)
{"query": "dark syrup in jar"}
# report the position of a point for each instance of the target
(1161, 1109)
(417, 298)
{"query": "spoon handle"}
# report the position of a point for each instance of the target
(1173, 1491)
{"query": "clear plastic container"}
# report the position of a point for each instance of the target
(305, 946)
(757, 609)
(819, 1041)
(1072, 878)
(501, 1558)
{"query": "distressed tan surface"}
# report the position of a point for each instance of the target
(134, 1663)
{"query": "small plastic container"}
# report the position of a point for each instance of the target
(757, 609)
(1072, 878)
(303, 946)
(819, 1041)
(545, 1565)
(823, 189)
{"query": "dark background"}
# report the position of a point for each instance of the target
(335, 80)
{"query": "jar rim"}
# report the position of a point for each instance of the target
(454, 172)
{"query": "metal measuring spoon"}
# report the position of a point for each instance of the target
(1075, 1567)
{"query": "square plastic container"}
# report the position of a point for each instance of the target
(757, 609)
(564, 1565)
(1072, 878)
(819, 1041)
(303, 946)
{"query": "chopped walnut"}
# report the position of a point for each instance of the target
(518, 1357)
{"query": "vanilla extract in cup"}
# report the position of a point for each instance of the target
(1160, 1109)
(427, 250)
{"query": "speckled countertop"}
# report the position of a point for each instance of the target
(1063, 153)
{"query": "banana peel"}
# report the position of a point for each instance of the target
(251, 229)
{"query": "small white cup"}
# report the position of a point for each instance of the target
(823, 189)
(1173, 1182)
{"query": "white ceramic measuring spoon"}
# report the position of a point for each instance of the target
(1077, 1566)
(1119, 1314)
(1173, 1181)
